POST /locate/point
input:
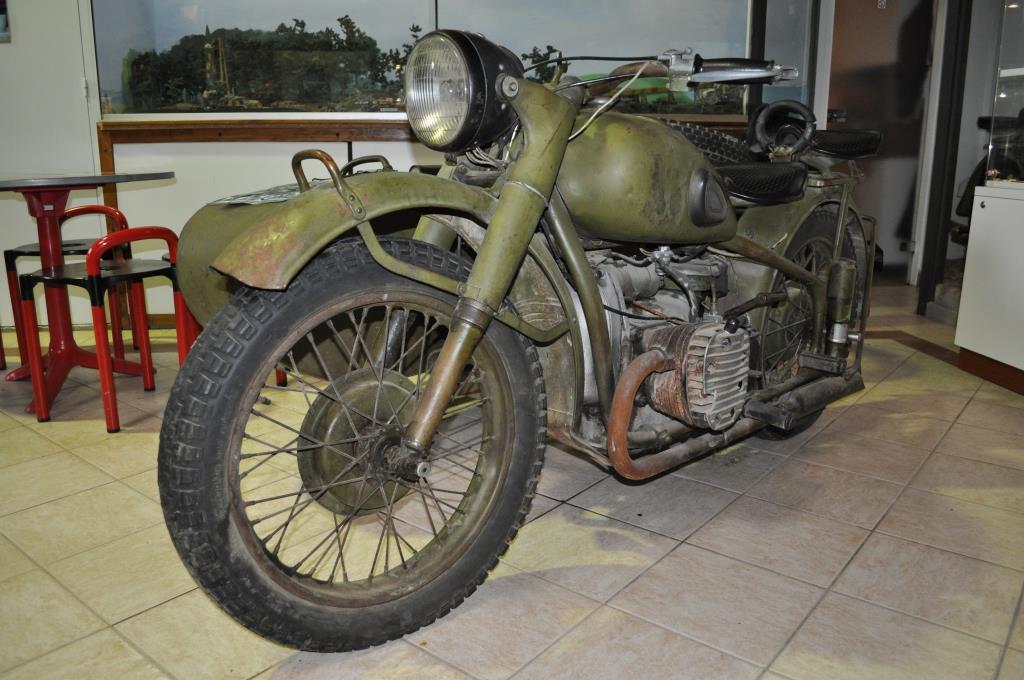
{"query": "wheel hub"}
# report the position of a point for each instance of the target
(351, 459)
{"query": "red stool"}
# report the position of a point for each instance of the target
(98, 277)
(71, 247)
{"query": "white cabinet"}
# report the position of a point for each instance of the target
(991, 320)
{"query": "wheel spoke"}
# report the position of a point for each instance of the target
(359, 372)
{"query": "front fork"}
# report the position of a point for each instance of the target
(546, 121)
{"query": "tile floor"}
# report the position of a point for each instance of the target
(886, 542)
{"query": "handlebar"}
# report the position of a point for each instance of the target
(686, 68)
(750, 71)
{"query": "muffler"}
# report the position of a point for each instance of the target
(803, 401)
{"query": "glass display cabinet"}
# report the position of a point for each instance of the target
(992, 271)
(1006, 144)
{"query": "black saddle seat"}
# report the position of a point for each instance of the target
(764, 183)
(846, 144)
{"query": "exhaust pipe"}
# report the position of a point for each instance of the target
(801, 401)
(655, 361)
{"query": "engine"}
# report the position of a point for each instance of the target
(668, 299)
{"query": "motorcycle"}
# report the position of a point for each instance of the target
(357, 435)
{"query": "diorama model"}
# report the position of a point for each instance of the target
(357, 435)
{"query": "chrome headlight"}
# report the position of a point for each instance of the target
(450, 90)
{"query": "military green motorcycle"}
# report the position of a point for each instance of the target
(358, 433)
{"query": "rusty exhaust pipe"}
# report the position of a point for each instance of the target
(655, 361)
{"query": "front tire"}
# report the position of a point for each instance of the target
(291, 505)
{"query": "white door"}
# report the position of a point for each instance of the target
(47, 119)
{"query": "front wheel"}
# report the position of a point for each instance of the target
(282, 483)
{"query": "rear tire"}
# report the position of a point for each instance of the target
(215, 433)
(812, 246)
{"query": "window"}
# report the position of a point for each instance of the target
(191, 56)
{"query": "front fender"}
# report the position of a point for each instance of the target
(277, 245)
(265, 245)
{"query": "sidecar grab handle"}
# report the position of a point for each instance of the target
(355, 206)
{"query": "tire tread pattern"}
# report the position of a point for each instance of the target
(211, 364)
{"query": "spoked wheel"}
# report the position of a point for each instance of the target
(789, 327)
(292, 501)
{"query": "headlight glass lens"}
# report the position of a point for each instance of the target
(437, 90)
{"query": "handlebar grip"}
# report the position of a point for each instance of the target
(730, 64)
(738, 71)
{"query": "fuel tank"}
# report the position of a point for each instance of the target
(634, 179)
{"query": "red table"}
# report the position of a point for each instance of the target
(47, 197)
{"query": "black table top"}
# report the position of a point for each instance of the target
(85, 179)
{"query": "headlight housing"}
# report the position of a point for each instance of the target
(450, 90)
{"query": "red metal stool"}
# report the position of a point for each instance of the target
(98, 276)
(72, 247)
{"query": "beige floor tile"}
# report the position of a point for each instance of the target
(12, 560)
(22, 444)
(613, 645)
(539, 506)
(873, 457)
(45, 479)
(847, 638)
(509, 620)
(812, 549)
(145, 483)
(130, 575)
(81, 426)
(123, 454)
(920, 369)
(565, 475)
(980, 444)
(949, 589)
(972, 480)
(735, 468)
(39, 615)
(669, 505)
(7, 423)
(73, 524)
(1017, 635)
(732, 606)
(881, 357)
(101, 656)
(999, 395)
(916, 398)
(993, 416)
(585, 552)
(191, 638)
(828, 492)
(1013, 665)
(130, 391)
(966, 528)
(396, 659)
(898, 428)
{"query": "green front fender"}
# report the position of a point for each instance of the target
(265, 246)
